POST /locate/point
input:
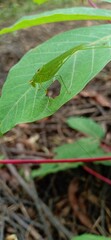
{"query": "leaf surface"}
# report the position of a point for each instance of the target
(46, 169)
(20, 102)
(109, 1)
(87, 126)
(40, 1)
(83, 148)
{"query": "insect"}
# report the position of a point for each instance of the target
(49, 70)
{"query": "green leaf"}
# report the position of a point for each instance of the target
(109, 1)
(83, 148)
(40, 1)
(87, 126)
(1, 134)
(65, 14)
(90, 237)
(46, 169)
(20, 102)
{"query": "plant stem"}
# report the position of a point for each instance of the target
(97, 175)
(92, 4)
(41, 161)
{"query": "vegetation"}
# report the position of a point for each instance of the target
(73, 58)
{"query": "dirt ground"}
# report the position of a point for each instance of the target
(63, 204)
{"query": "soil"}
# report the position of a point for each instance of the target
(66, 203)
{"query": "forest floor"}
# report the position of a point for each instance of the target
(40, 208)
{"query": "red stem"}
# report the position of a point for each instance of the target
(92, 4)
(45, 161)
(41, 161)
(97, 175)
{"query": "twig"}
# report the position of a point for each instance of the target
(7, 191)
(55, 222)
(35, 199)
(26, 226)
(2, 228)
(40, 211)
(32, 222)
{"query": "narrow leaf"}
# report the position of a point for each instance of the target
(65, 14)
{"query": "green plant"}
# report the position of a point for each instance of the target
(27, 104)
(20, 102)
(89, 146)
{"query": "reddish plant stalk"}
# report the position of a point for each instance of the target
(92, 4)
(45, 161)
(51, 161)
(97, 175)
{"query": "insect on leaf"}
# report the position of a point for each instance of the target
(48, 71)
(21, 103)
